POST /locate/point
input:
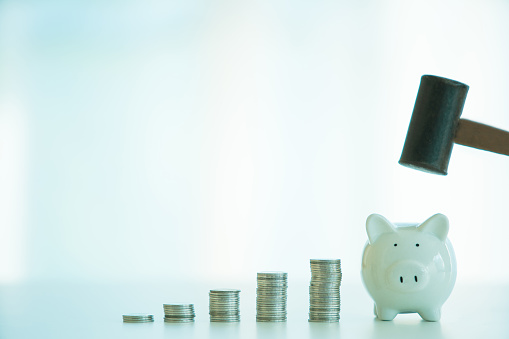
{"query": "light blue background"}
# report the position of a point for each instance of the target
(206, 141)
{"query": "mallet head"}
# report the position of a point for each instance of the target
(432, 129)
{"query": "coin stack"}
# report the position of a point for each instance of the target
(138, 318)
(178, 313)
(324, 298)
(271, 296)
(224, 305)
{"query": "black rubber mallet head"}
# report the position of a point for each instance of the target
(436, 125)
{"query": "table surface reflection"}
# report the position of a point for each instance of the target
(95, 311)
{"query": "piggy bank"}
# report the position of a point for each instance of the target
(408, 269)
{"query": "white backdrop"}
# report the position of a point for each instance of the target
(205, 141)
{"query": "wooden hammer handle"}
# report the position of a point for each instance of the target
(488, 138)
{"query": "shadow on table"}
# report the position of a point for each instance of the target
(406, 328)
(324, 330)
(265, 330)
(224, 330)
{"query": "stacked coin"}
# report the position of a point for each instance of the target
(271, 296)
(224, 305)
(138, 318)
(324, 298)
(178, 313)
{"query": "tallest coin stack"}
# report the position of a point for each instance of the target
(324, 299)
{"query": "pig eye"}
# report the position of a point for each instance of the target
(416, 245)
(395, 245)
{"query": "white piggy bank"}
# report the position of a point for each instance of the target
(408, 269)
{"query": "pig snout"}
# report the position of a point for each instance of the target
(407, 276)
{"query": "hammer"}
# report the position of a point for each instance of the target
(435, 125)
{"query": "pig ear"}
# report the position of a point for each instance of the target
(437, 225)
(376, 225)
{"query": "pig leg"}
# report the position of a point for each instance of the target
(430, 314)
(385, 313)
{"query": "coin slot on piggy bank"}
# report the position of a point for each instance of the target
(410, 268)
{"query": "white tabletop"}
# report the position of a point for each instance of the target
(95, 311)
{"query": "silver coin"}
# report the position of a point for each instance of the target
(144, 320)
(179, 316)
(224, 296)
(219, 305)
(272, 274)
(170, 315)
(274, 298)
(133, 318)
(225, 290)
(323, 296)
(169, 320)
(270, 319)
(178, 310)
(324, 301)
(325, 305)
(268, 311)
(319, 289)
(272, 291)
(270, 302)
(325, 312)
(140, 319)
(229, 320)
(223, 304)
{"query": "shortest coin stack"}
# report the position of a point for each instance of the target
(178, 313)
(224, 305)
(138, 318)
